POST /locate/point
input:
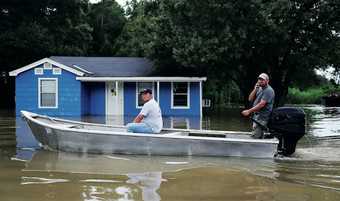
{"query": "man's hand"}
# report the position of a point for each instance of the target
(256, 108)
(252, 94)
(245, 113)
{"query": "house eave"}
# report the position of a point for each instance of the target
(142, 79)
(41, 61)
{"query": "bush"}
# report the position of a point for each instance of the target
(308, 96)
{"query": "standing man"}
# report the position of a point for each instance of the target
(149, 120)
(262, 97)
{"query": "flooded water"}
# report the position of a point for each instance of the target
(312, 174)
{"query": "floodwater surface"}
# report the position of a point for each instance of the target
(312, 174)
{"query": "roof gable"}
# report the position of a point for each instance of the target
(78, 72)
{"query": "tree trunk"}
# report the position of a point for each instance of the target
(280, 83)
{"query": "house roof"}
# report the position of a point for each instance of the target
(109, 66)
(94, 69)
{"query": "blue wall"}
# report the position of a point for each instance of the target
(165, 100)
(69, 93)
(130, 99)
(93, 98)
(76, 98)
(85, 99)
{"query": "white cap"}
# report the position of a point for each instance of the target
(263, 76)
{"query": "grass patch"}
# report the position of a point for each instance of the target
(308, 96)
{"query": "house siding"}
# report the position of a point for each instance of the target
(85, 99)
(130, 99)
(164, 100)
(69, 93)
(94, 98)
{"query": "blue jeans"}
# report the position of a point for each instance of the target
(138, 128)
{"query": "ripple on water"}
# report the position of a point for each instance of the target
(318, 154)
(325, 122)
(39, 180)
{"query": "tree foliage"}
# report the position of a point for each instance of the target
(230, 42)
(107, 19)
(33, 29)
(239, 39)
(135, 38)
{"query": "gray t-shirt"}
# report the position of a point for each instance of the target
(267, 94)
(152, 115)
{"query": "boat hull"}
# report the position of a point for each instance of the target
(106, 142)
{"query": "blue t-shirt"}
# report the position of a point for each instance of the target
(267, 94)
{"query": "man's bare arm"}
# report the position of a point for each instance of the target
(252, 95)
(138, 119)
(256, 108)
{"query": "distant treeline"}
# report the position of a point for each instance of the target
(230, 42)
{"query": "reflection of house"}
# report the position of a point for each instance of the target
(101, 86)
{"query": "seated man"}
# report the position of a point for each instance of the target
(149, 120)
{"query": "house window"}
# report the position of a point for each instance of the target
(38, 71)
(48, 93)
(56, 71)
(139, 87)
(47, 66)
(180, 95)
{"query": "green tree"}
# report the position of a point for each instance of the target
(31, 30)
(239, 39)
(107, 19)
(135, 38)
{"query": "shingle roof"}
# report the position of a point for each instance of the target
(109, 66)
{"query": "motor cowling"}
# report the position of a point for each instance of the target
(288, 125)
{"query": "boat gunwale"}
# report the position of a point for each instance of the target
(29, 115)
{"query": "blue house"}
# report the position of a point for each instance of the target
(74, 86)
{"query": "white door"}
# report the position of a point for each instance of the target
(114, 98)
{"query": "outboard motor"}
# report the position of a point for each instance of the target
(288, 125)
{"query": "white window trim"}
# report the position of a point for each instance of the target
(54, 71)
(39, 94)
(137, 93)
(172, 98)
(38, 71)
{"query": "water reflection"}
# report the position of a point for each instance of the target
(324, 121)
(313, 174)
(148, 182)
(124, 177)
(117, 177)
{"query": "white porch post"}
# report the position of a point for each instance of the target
(201, 109)
(158, 92)
(117, 91)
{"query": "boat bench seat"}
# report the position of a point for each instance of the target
(175, 134)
